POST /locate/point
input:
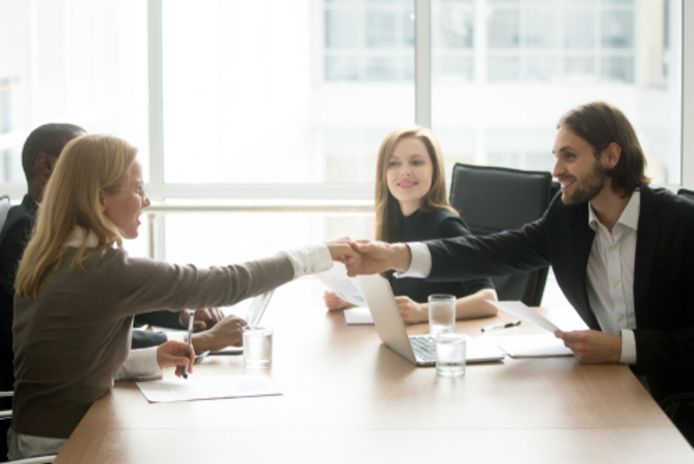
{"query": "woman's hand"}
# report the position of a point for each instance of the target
(334, 302)
(176, 353)
(411, 311)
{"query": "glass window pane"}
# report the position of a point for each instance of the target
(509, 110)
(380, 29)
(541, 28)
(81, 62)
(252, 89)
(504, 29)
(579, 29)
(618, 68)
(339, 28)
(618, 29)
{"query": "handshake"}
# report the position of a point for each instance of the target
(370, 257)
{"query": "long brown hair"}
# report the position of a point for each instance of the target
(88, 167)
(388, 215)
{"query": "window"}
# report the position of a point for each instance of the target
(283, 92)
(540, 58)
(74, 61)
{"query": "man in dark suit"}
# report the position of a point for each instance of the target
(39, 155)
(622, 253)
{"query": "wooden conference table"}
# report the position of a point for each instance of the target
(347, 398)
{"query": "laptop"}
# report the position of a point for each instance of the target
(418, 349)
(255, 313)
(257, 308)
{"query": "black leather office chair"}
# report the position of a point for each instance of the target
(688, 194)
(491, 199)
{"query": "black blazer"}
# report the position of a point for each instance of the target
(562, 238)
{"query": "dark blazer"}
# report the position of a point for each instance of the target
(562, 238)
(13, 239)
(427, 225)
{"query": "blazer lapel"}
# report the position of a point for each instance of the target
(646, 239)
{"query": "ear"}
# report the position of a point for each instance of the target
(44, 165)
(611, 155)
(102, 201)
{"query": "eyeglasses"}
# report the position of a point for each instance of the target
(138, 190)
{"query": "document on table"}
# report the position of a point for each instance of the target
(337, 280)
(519, 309)
(206, 388)
(532, 346)
(358, 315)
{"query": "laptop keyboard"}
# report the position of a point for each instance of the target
(424, 348)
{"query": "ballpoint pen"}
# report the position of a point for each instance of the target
(191, 319)
(508, 325)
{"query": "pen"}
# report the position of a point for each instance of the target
(508, 325)
(191, 317)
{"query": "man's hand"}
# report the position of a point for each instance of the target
(334, 302)
(205, 318)
(176, 353)
(411, 311)
(592, 346)
(376, 257)
(228, 331)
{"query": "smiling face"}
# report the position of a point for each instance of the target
(578, 170)
(409, 173)
(124, 205)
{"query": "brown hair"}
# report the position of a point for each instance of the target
(388, 215)
(601, 124)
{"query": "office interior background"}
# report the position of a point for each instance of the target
(258, 123)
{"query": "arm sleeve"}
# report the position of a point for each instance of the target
(455, 227)
(506, 252)
(138, 285)
(162, 318)
(145, 339)
(139, 363)
(11, 250)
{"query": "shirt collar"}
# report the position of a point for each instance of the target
(81, 235)
(629, 217)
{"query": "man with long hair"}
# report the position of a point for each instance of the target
(622, 253)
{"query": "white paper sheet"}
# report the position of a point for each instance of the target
(206, 388)
(532, 346)
(358, 315)
(519, 309)
(336, 279)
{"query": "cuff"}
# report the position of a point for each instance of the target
(628, 347)
(310, 259)
(420, 264)
(139, 363)
(178, 336)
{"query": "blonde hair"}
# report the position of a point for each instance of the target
(388, 215)
(89, 166)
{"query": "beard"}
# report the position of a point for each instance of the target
(587, 188)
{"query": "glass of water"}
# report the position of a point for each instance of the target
(441, 313)
(450, 354)
(257, 347)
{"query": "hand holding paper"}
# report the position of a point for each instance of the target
(336, 279)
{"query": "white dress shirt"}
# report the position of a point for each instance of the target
(610, 274)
